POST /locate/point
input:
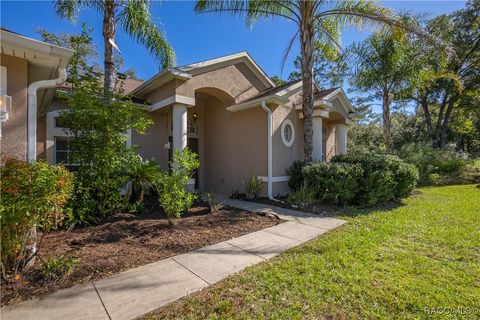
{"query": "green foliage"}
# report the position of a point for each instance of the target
(295, 172)
(385, 177)
(333, 182)
(303, 197)
(142, 175)
(99, 147)
(57, 267)
(430, 161)
(33, 196)
(253, 187)
(171, 185)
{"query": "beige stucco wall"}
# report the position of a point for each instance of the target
(236, 80)
(14, 131)
(283, 156)
(235, 146)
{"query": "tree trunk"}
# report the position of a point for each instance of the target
(440, 119)
(108, 37)
(307, 47)
(446, 119)
(428, 118)
(387, 123)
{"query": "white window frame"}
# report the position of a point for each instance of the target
(287, 122)
(52, 133)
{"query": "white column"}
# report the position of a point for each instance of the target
(341, 138)
(179, 130)
(317, 138)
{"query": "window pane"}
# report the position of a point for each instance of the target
(61, 144)
(61, 157)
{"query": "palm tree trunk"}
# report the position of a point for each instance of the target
(446, 119)
(307, 48)
(387, 123)
(108, 36)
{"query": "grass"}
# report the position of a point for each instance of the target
(396, 263)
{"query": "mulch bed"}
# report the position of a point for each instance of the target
(129, 240)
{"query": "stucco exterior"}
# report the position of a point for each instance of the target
(14, 132)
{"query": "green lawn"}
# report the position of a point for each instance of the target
(385, 264)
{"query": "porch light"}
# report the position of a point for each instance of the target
(5, 109)
(195, 115)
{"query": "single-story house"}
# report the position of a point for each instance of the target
(230, 112)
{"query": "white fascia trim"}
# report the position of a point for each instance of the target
(38, 46)
(167, 75)
(171, 100)
(294, 88)
(229, 58)
(274, 179)
(275, 99)
(345, 102)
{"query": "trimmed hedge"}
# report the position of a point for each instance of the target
(333, 182)
(360, 178)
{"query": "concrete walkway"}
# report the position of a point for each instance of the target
(137, 291)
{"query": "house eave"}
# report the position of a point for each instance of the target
(272, 99)
(160, 79)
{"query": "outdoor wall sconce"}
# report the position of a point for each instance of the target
(5, 109)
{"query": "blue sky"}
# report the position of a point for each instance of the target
(194, 37)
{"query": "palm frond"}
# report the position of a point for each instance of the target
(253, 9)
(287, 50)
(137, 22)
(69, 9)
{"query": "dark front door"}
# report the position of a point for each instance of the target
(192, 144)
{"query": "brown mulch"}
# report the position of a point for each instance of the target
(129, 240)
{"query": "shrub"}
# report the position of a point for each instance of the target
(141, 176)
(253, 187)
(433, 161)
(56, 267)
(99, 147)
(33, 196)
(172, 193)
(384, 177)
(295, 173)
(333, 182)
(302, 198)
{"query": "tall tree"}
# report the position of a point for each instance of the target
(135, 19)
(317, 21)
(461, 30)
(382, 64)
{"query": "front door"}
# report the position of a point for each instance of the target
(192, 144)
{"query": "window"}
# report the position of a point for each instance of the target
(288, 133)
(63, 152)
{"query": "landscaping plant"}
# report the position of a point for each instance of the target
(253, 187)
(57, 267)
(99, 148)
(33, 197)
(141, 176)
(172, 185)
(303, 197)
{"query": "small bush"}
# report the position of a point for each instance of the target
(33, 196)
(253, 187)
(171, 185)
(56, 267)
(302, 198)
(295, 172)
(333, 182)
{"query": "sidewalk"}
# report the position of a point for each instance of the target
(137, 291)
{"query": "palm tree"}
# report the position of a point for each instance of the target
(141, 175)
(318, 21)
(133, 16)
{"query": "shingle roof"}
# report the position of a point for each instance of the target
(323, 93)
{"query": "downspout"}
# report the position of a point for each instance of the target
(270, 156)
(32, 109)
